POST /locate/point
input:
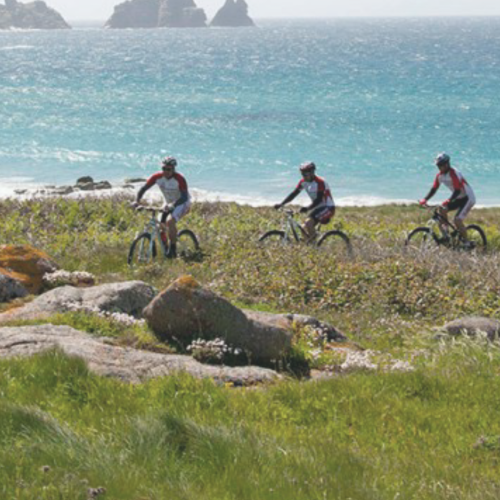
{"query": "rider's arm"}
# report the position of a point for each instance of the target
(291, 196)
(183, 188)
(149, 184)
(184, 197)
(142, 192)
(455, 194)
(434, 189)
(431, 193)
(457, 185)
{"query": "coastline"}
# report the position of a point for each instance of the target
(26, 191)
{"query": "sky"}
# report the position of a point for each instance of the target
(102, 9)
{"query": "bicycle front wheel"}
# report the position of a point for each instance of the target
(142, 251)
(336, 243)
(188, 247)
(273, 238)
(421, 238)
(476, 236)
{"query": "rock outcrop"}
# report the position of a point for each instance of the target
(26, 265)
(473, 326)
(127, 364)
(157, 14)
(10, 289)
(128, 298)
(185, 311)
(233, 14)
(34, 15)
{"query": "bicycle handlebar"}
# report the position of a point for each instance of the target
(143, 208)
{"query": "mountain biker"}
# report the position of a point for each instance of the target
(322, 209)
(174, 188)
(462, 198)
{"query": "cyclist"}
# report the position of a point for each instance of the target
(462, 199)
(322, 209)
(174, 188)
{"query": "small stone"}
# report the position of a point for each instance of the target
(86, 186)
(103, 185)
(134, 180)
(85, 180)
(45, 468)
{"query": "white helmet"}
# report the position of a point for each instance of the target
(442, 159)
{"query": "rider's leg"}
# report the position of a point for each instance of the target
(442, 226)
(163, 230)
(309, 228)
(172, 220)
(172, 230)
(460, 216)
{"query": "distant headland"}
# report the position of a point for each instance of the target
(33, 15)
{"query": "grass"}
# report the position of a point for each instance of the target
(429, 434)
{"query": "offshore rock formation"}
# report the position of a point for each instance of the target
(34, 15)
(157, 14)
(234, 13)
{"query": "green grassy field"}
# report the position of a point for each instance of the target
(429, 434)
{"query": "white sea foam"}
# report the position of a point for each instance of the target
(17, 47)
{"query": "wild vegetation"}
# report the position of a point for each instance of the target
(431, 433)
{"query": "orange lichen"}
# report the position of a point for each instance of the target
(26, 265)
(186, 281)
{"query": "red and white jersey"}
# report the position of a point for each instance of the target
(170, 188)
(317, 186)
(454, 180)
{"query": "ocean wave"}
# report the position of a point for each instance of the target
(17, 47)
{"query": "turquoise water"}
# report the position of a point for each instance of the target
(370, 101)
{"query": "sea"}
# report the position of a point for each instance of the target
(370, 101)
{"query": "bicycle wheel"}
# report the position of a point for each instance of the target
(421, 238)
(141, 251)
(477, 238)
(188, 247)
(336, 243)
(273, 238)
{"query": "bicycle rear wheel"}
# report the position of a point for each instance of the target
(188, 247)
(336, 243)
(273, 238)
(477, 237)
(421, 238)
(142, 251)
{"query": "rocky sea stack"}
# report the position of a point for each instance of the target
(157, 14)
(34, 15)
(234, 13)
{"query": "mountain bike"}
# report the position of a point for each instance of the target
(334, 241)
(432, 235)
(144, 248)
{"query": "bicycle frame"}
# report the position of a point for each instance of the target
(152, 227)
(292, 226)
(439, 219)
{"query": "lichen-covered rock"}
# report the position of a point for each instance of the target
(473, 326)
(26, 265)
(10, 289)
(129, 298)
(186, 311)
(233, 14)
(127, 364)
(33, 15)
